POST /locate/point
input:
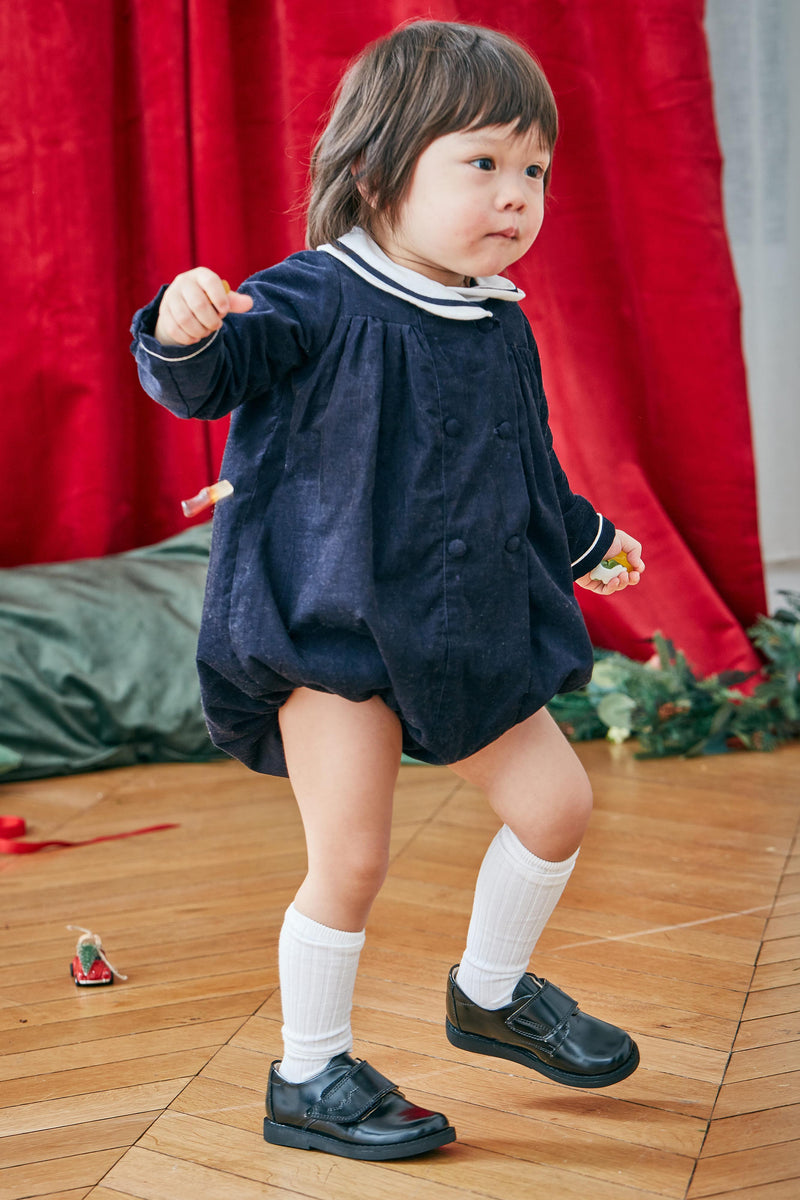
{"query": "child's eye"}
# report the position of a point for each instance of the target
(535, 171)
(483, 164)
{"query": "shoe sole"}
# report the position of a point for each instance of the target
(473, 1043)
(309, 1139)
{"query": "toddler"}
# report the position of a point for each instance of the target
(396, 567)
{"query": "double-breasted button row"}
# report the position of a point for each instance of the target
(458, 548)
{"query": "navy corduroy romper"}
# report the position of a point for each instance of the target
(400, 524)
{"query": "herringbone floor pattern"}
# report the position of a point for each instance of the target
(682, 922)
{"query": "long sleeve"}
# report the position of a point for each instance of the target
(294, 307)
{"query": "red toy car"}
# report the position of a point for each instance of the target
(90, 967)
(90, 973)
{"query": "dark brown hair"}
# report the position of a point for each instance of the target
(422, 81)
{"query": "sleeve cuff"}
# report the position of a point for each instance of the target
(175, 354)
(595, 552)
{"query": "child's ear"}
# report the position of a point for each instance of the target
(357, 171)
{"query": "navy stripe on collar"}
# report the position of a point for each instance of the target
(394, 283)
(364, 257)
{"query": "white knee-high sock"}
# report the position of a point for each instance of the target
(515, 895)
(317, 968)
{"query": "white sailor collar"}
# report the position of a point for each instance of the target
(361, 254)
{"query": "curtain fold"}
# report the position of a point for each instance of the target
(142, 137)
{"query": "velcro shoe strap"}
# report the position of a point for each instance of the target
(353, 1096)
(543, 1013)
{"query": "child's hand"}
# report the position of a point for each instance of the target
(194, 305)
(623, 542)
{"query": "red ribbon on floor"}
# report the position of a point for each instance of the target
(13, 828)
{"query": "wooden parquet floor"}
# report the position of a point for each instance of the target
(681, 922)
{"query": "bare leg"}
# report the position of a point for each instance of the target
(536, 784)
(343, 760)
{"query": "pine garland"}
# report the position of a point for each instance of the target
(673, 711)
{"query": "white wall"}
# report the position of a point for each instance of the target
(755, 53)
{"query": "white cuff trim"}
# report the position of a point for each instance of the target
(182, 357)
(589, 549)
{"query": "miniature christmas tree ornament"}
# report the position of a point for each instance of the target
(90, 967)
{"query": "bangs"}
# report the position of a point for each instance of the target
(487, 83)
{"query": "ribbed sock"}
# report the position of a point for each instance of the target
(317, 968)
(515, 895)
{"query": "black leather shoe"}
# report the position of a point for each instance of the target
(542, 1028)
(350, 1109)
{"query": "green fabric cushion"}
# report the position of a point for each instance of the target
(97, 660)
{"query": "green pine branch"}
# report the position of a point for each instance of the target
(673, 711)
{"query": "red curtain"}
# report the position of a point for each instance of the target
(141, 137)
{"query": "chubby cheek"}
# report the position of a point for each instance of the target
(531, 238)
(467, 220)
(536, 221)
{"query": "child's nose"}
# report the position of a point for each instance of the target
(511, 196)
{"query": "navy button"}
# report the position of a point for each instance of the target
(504, 430)
(456, 548)
(513, 543)
(452, 427)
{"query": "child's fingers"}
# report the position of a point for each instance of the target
(195, 305)
(191, 317)
(611, 586)
(203, 301)
(629, 579)
(220, 293)
(240, 303)
(632, 549)
(596, 585)
(169, 331)
(618, 584)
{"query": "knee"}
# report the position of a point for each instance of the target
(579, 802)
(553, 825)
(355, 873)
(577, 787)
(573, 803)
(364, 876)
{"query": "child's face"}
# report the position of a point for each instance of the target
(475, 205)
